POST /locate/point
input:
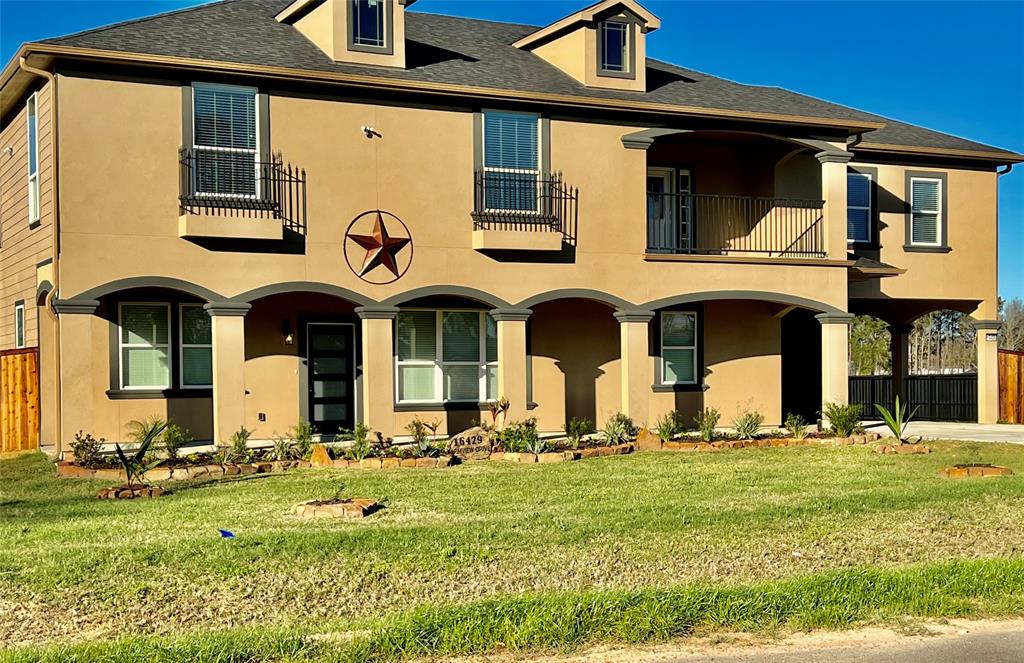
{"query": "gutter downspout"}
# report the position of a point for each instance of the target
(54, 139)
(1008, 167)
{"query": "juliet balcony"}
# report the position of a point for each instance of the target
(523, 211)
(234, 194)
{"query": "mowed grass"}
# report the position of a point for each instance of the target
(463, 559)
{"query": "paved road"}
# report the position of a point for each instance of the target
(941, 430)
(1000, 647)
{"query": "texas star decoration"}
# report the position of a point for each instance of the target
(381, 248)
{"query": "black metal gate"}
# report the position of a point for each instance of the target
(934, 397)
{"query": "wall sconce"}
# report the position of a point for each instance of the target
(286, 331)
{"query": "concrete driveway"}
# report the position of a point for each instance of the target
(942, 430)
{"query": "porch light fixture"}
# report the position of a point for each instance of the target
(286, 331)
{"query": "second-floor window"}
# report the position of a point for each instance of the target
(19, 325)
(368, 21)
(511, 157)
(926, 211)
(225, 135)
(32, 128)
(614, 47)
(858, 207)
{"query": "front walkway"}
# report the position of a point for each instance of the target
(944, 430)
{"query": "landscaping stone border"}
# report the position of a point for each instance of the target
(905, 449)
(359, 507)
(649, 441)
(126, 493)
(984, 471)
(159, 474)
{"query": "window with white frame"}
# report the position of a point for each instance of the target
(511, 159)
(679, 347)
(446, 356)
(614, 47)
(926, 211)
(32, 129)
(19, 325)
(225, 140)
(196, 347)
(368, 19)
(858, 207)
(144, 343)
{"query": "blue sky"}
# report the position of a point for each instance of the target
(957, 67)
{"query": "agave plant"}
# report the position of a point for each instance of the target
(135, 466)
(897, 420)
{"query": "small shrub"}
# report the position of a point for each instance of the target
(532, 441)
(283, 449)
(361, 447)
(87, 449)
(747, 424)
(796, 426)
(619, 429)
(140, 429)
(518, 436)
(577, 429)
(707, 421)
(668, 425)
(240, 442)
(843, 419)
(302, 433)
(175, 437)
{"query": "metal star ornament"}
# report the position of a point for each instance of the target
(381, 248)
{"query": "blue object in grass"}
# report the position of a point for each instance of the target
(226, 534)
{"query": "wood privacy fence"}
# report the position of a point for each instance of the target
(1011, 387)
(19, 390)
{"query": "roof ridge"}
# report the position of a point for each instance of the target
(141, 19)
(417, 12)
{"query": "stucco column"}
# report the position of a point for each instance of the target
(833, 191)
(987, 342)
(75, 320)
(227, 325)
(835, 359)
(512, 380)
(899, 347)
(378, 394)
(635, 362)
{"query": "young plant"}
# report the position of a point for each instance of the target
(796, 426)
(283, 449)
(499, 409)
(619, 429)
(418, 430)
(302, 434)
(140, 429)
(87, 449)
(532, 441)
(898, 420)
(361, 447)
(175, 437)
(668, 425)
(707, 421)
(240, 443)
(843, 419)
(577, 429)
(747, 424)
(136, 465)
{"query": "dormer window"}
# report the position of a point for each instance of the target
(614, 48)
(369, 24)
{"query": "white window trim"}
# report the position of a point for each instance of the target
(19, 326)
(627, 47)
(255, 153)
(937, 212)
(121, 345)
(536, 172)
(661, 354)
(384, 17)
(871, 183)
(32, 110)
(438, 363)
(182, 346)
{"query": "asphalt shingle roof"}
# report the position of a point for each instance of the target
(460, 51)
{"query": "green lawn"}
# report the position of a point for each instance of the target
(675, 527)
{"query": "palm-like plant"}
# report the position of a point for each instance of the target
(897, 420)
(135, 466)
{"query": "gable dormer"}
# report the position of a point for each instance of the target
(601, 46)
(357, 31)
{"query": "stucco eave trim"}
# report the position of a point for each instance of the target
(746, 260)
(384, 83)
(755, 295)
(986, 155)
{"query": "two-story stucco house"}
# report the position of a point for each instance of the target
(254, 211)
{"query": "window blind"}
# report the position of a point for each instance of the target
(416, 335)
(145, 338)
(511, 141)
(858, 207)
(679, 348)
(461, 336)
(925, 210)
(224, 124)
(196, 347)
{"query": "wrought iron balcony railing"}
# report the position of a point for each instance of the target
(524, 200)
(715, 224)
(222, 182)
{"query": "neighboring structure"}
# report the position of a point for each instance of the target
(248, 213)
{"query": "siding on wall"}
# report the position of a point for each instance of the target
(21, 248)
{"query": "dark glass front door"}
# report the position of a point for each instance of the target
(331, 351)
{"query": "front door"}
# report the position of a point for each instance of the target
(331, 361)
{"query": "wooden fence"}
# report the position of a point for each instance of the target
(19, 390)
(1011, 387)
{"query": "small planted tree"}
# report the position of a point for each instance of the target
(302, 434)
(175, 437)
(136, 465)
(842, 418)
(897, 421)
